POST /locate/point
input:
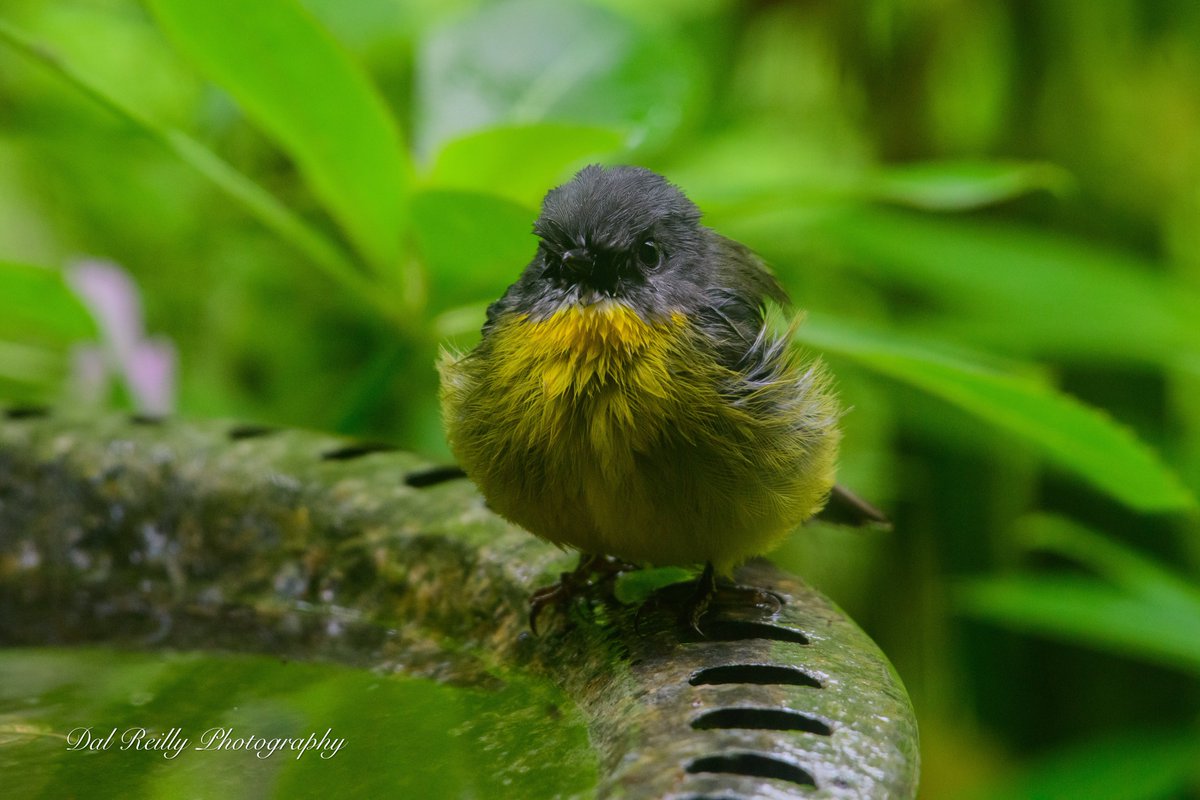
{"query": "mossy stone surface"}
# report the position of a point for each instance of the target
(213, 535)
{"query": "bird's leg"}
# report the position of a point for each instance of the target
(605, 567)
(708, 596)
(692, 607)
(697, 605)
(738, 596)
(570, 584)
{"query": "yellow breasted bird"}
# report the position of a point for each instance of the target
(630, 396)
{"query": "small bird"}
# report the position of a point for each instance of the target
(632, 396)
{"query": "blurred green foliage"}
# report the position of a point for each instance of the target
(989, 208)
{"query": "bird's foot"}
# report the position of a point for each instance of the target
(697, 605)
(606, 567)
(592, 570)
(709, 596)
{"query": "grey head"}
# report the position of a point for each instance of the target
(617, 233)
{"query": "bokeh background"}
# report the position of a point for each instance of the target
(278, 211)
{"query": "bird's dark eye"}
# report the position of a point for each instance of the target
(649, 254)
(549, 257)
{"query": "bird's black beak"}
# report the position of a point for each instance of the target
(579, 262)
(590, 271)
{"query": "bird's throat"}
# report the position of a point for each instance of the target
(580, 348)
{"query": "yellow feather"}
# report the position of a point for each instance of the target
(598, 429)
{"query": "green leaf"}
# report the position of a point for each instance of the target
(1123, 567)
(32, 366)
(1090, 612)
(1131, 765)
(962, 185)
(741, 171)
(634, 588)
(1136, 607)
(39, 318)
(37, 305)
(322, 251)
(520, 162)
(540, 60)
(1073, 436)
(296, 82)
(1017, 288)
(307, 240)
(474, 244)
(762, 170)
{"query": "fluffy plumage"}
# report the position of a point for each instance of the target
(629, 396)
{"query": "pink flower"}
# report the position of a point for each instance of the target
(146, 365)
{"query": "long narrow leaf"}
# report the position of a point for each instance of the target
(294, 81)
(1074, 436)
(1131, 765)
(1123, 567)
(962, 185)
(320, 250)
(1088, 611)
(37, 305)
(1021, 288)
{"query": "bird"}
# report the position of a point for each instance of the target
(635, 394)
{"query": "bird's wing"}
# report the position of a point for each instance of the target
(749, 272)
(735, 314)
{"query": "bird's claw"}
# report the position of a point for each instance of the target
(571, 584)
(707, 596)
(698, 604)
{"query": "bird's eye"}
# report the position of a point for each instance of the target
(649, 254)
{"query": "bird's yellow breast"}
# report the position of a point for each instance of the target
(593, 383)
(580, 350)
(598, 428)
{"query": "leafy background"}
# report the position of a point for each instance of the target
(989, 210)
